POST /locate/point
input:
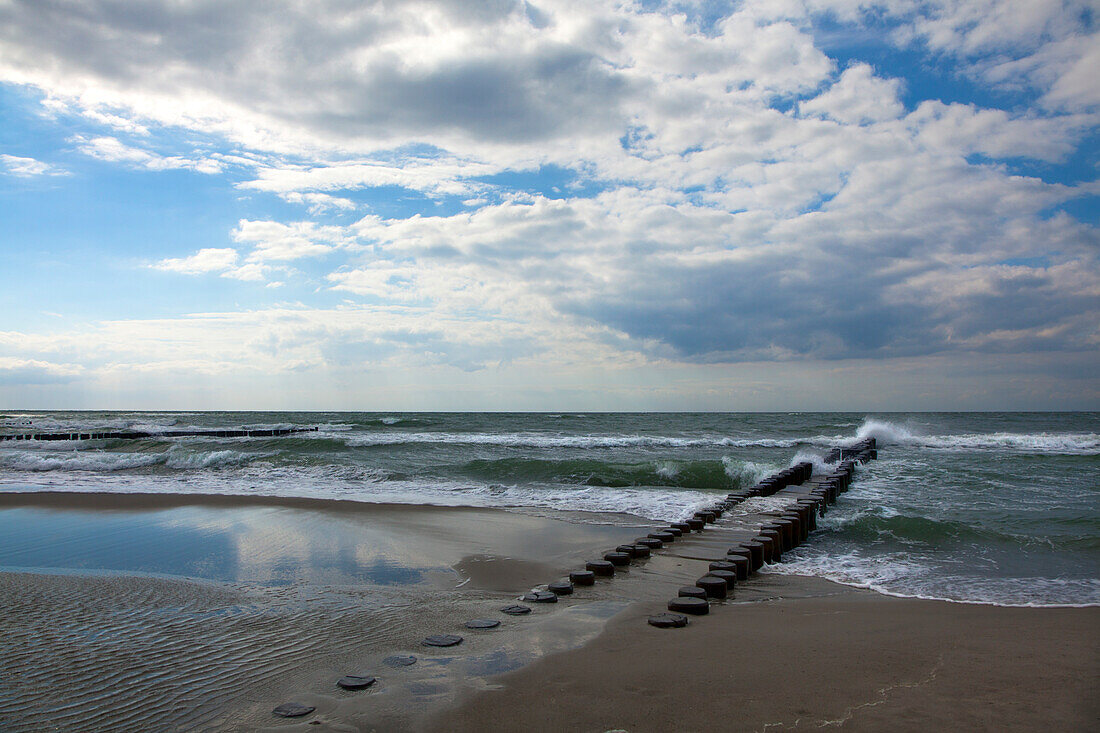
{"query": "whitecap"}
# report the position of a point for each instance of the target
(746, 473)
(21, 460)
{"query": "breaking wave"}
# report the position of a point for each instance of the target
(109, 461)
(888, 433)
(900, 574)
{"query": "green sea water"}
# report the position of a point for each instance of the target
(981, 507)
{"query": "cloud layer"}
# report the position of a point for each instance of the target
(605, 183)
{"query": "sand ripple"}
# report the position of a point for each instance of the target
(121, 653)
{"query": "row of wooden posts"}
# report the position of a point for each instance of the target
(143, 435)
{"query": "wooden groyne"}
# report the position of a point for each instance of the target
(748, 541)
(745, 544)
(859, 452)
(751, 540)
(142, 435)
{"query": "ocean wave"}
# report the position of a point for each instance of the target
(210, 459)
(817, 458)
(110, 461)
(697, 474)
(879, 523)
(888, 433)
(657, 504)
(884, 432)
(542, 440)
(909, 576)
(395, 421)
(1056, 443)
(747, 473)
(88, 424)
(167, 426)
(76, 460)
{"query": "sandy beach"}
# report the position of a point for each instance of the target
(410, 366)
(818, 655)
(92, 648)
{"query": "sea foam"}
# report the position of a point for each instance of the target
(108, 461)
(888, 433)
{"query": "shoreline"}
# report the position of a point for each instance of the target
(145, 500)
(138, 501)
(936, 599)
(125, 501)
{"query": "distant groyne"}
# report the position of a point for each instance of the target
(143, 435)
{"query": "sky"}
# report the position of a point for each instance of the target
(550, 205)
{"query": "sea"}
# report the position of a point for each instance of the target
(999, 508)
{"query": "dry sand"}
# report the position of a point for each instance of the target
(819, 655)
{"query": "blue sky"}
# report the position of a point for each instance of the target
(796, 204)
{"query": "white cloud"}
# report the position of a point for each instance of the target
(17, 371)
(276, 241)
(370, 359)
(250, 272)
(730, 194)
(1047, 45)
(104, 117)
(288, 339)
(858, 97)
(203, 261)
(433, 176)
(967, 129)
(380, 280)
(272, 242)
(26, 167)
(114, 150)
(1074, 81)
(318, 203)
(686, 281)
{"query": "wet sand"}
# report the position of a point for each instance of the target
(283, 541)
(142, 612)
(148, 612)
